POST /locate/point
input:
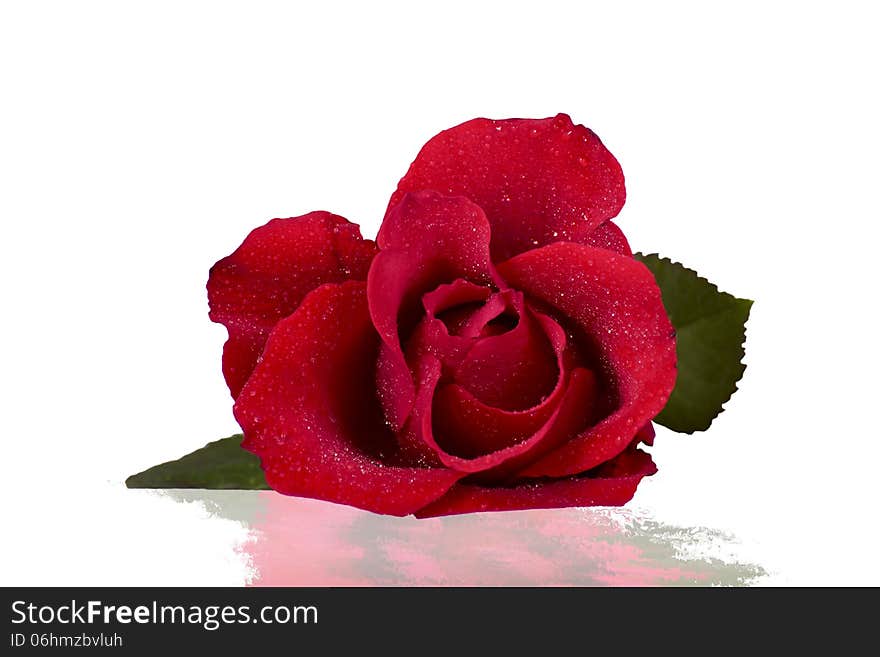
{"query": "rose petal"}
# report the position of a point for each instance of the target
(266, 278)
(433, 353)
(571, 408)
(309, 411)
(608, 236)
(611, 485)
(454, 303)
(497, 306)
(449, 295)
(417, 439)
(465, 427)
(646, 434)
(514, 370)
(432, 337)
(433, 240)
(614, 301)
(578, 409)
(538, 180)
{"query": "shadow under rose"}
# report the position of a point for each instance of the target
(302, 542)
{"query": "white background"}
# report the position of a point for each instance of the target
(140, 142)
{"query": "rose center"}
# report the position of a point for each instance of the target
(489, 343)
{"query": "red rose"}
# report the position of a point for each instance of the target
(499, 349)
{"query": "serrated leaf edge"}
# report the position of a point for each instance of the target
(741, 361)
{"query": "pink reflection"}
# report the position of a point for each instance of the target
(300, 542)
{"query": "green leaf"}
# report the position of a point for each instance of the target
(710, 332)
(220, 464)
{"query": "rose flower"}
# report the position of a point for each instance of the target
(496, 348)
